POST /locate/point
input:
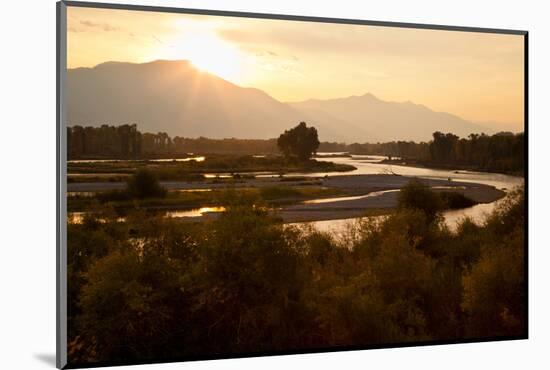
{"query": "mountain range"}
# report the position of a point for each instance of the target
(177, 98)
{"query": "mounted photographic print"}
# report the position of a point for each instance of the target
(238, 184)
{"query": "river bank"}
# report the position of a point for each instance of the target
(361, 194)
(456, 168)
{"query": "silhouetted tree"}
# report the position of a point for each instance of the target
(502, 152)
(442, 148)
(301, 142)
(144, 184)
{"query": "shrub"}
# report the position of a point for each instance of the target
(454, 200)
(113, 196)
(417, 196)
(152, 287)
(271, 192)
(144, 184)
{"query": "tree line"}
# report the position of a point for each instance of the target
(155, 288)
(502, 152)
(127, 141)
(123, 141)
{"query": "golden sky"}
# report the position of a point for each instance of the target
(476, 76)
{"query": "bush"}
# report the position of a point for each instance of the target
(153, 287)
(494, 290)
(144, 184)
(113, 196)
(273, 192)
(417, 196)
(454, 200)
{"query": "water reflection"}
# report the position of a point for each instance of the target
(185, 159)
(191, 190)
(78, 217)
(374, 166)
(81, 194)
(218, 176)
(478, 214)
(195, 212)
(340, 199)
(369, 165)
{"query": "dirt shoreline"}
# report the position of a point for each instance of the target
(381, 197)
(375, 194)
(455, 168)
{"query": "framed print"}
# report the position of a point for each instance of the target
(239, 184)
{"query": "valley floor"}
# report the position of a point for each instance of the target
(361, 194)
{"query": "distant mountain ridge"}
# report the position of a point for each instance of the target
(386, 121)
(177, 98)
(172, 96)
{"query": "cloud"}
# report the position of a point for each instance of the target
(360, 40)
(103, 26)
(275, 62)
(259, 53)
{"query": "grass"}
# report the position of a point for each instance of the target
(292, 194)
(272, 195)
(238, 166)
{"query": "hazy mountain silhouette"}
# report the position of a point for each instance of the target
(177, 98)
(386, 121)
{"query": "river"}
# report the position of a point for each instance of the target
(366, 165)
(371, 165)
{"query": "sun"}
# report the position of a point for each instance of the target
(209, 53)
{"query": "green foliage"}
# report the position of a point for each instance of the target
(238, 167)
(153, 287)
(300, 142)
(494, 288)
(272, 192)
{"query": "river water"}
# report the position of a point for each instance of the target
(371, 165)
(183, 159)
(366, 165)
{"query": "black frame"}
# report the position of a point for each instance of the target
(61, 162)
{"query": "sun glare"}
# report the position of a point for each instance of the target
(210, 54)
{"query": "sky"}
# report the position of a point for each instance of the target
(477, 76)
